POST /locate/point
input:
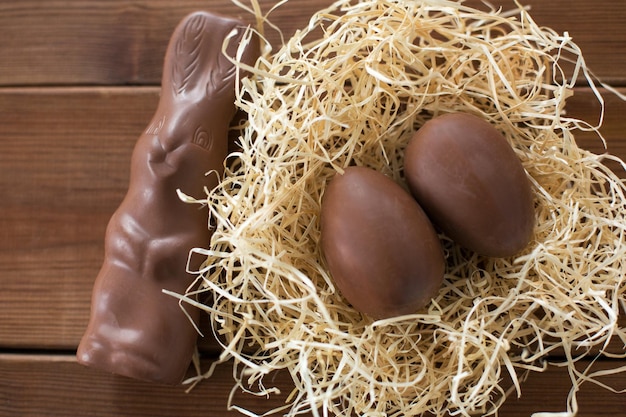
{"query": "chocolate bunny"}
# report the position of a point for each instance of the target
(135, 329)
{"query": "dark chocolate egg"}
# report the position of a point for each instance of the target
(381, 249)
(472, 185)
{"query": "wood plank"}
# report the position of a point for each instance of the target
(63, 169)
(123, 41)
(55, 385)
(64, 158)
(106, 42)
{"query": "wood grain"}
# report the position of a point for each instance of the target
(105, 42)
(56, 385)
(63, 169)
(30, 386)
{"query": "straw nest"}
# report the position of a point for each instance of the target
(351, 88)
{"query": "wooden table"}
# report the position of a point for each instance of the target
(79, 80)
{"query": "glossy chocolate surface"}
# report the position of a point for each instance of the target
(471, 184)
(381, 249)
(134, 329)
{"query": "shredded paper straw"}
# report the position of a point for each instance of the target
(351, 88)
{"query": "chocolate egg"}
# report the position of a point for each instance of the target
(381, 250)
(471, 184)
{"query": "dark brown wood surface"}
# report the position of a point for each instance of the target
(54, 386)
(113, 42)
(78, 83)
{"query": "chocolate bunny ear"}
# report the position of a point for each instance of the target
(186, 49)
(195, 54)
(135, 329)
